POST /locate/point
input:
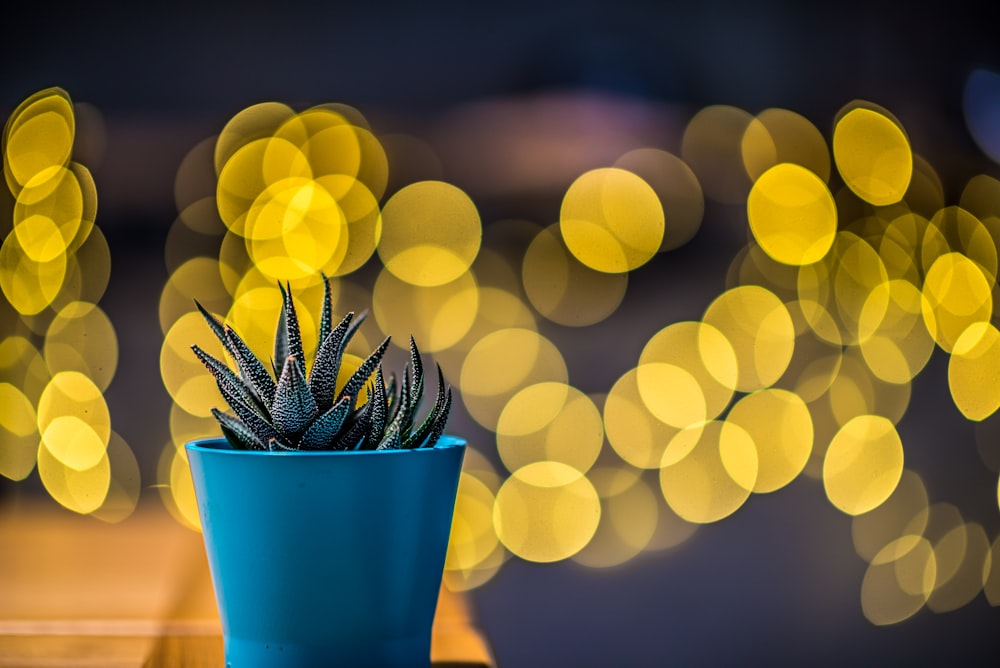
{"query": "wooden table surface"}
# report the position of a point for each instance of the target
(75, 591)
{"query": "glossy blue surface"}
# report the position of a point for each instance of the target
(326, 558)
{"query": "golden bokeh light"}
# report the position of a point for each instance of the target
(687, 373)
(973, 369)
(633, 431)
(677, 187)
(629, 518)
(18, 433)
(125, 485)
(863, 464)
(503, 363)
(436, 316)
(709, 471)
(792, 214)
(39, 135)
(611, 220)
(758, 326)
(896, 586)
(872, 154)
(82, 338)
(183, 375)
(550, 422)
(563, 289)
(904, 513)
(473, 540)
(778, 135)
(963, 556)
(712, 146)
(780, 425)
(546, 511)
(72, 394)
(956, 295)
(431, 233)
(893, 338)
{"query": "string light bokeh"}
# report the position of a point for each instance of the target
(863, 271)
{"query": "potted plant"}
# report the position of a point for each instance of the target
(325, 507)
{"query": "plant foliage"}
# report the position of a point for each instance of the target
(290, 408)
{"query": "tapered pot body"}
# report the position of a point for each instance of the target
(326, 558)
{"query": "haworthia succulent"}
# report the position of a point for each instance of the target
(281, 409)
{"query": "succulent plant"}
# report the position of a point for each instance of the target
(288, 408)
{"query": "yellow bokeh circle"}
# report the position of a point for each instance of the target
(873, 156)
(546, 511)
(611, 220)
(792, 214)
(863, 464)
(431, 233)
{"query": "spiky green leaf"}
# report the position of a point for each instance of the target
(326, 313)
(252, 370)
(379, 408)
(248, 413)
(417, 436)
(391, 441)
(417, 387)
(215, 325)
(288, 337)
(355, 434)
(224, 376)
(294, 407)
(440, 422)
(364, 372)
(325, 430)
(238, 434)
(326, 368)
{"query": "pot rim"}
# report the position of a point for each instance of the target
(219, 445)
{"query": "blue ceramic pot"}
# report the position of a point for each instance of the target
(326, 558)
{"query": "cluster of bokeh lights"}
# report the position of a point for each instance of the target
(802, 366)
(58, 349)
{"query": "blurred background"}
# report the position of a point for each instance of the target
(572, 208)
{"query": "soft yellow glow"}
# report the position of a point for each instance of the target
(72, 394)
(501, 364)
(781, 428)
(550, 422)
(611, 220)
(431, 233)
(29, 286)
(962, 555)
(629, 514)
(39, 134)
(73, 442)
(676, 186)
(198, 278)
(81, 491)
(708, 471)
(893, 338)
(873, 156)
(82, 338)
(955, 229)
(896, 586)
(437, 316)
(563, 289)
(182, 488)
(184, 376)
(863, 464)
(904, 513)
(712, 145)
(956, 295)
(637, 435)
(546, 511)
(680, 360)
(257, 121)
(125, 484)
(780, 135)
(18, 433)
(792, 214)
(973, 370)
(758, 326)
